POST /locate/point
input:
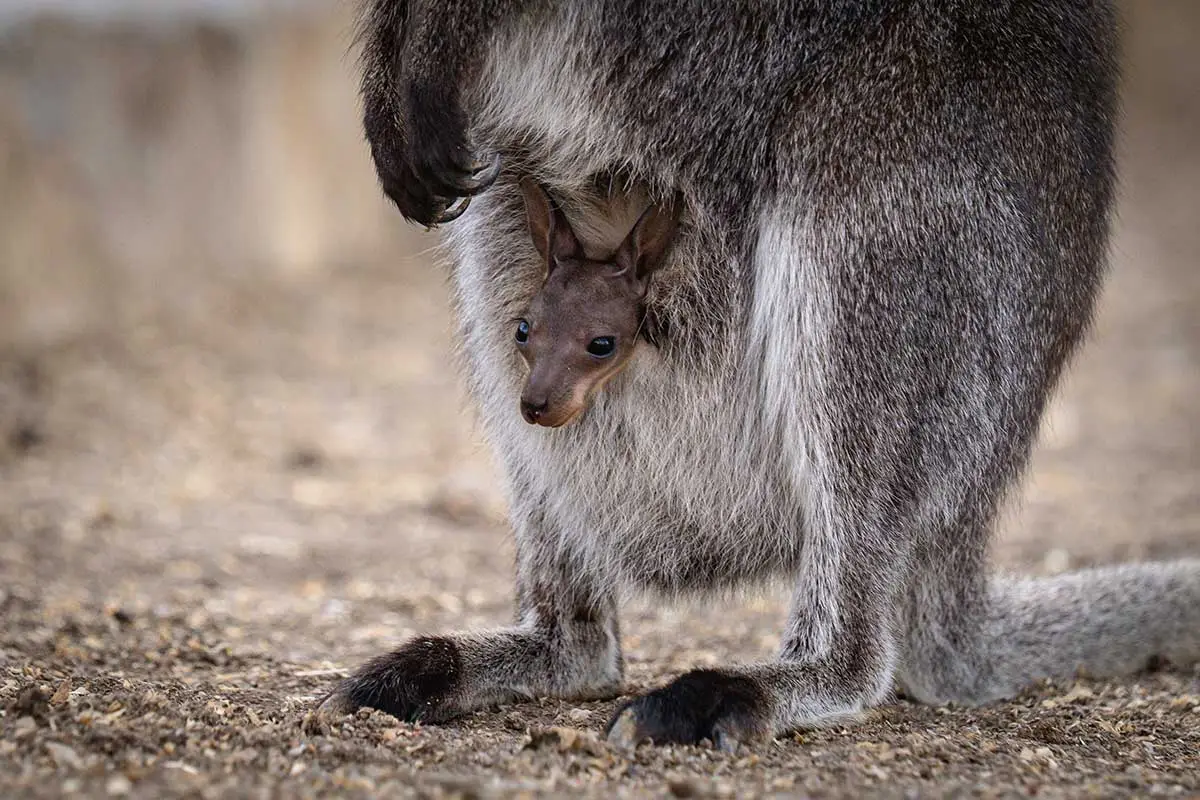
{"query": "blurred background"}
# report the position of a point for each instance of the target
(224, 360)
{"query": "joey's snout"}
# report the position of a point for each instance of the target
(533, 409)
(551, 403)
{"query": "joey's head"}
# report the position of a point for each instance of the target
(582, 326)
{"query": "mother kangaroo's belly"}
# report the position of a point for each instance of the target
(683, 555)
(666, 498)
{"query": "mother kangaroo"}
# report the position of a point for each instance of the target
(893, 233)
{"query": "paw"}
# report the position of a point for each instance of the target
(724, 708)
(424, 163)
(418, 682)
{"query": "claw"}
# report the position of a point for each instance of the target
(332, 707)
(724, 742)
(484, 176)
(452, 212)
(623, 731)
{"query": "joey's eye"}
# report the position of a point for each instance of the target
(602, 346)
(522, 335)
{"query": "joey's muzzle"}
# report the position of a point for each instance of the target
(548, 409)
(532, 410)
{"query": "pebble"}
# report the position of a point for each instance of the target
(64, 756)
(118, 786)
(62, 694)
(564, 740)
(683, 787)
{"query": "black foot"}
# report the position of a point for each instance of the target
(425, 164)
(723, 708)
(416, 682)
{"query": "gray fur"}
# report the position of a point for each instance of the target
(895, 229)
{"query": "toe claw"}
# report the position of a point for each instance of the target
(724, 742)
(623, 730)
(485, 175)
(336, 704)
(452, 212)
(332, 707)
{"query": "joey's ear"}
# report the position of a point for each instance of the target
(552, 234)
(644, 248)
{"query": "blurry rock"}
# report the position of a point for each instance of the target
(62, 694)
(30, 702)
(565, 740)
(64, 756)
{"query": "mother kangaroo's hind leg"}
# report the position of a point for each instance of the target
(565, 643)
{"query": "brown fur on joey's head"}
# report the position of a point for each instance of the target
(582, 326)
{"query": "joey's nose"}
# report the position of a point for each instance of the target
(532, 410)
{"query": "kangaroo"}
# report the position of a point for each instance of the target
(897, 221)
(582, 326)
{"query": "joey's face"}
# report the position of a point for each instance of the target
(582, 326)
(580, 330)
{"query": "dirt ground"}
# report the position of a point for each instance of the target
(246, 484)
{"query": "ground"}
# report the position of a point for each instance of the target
(251, 483)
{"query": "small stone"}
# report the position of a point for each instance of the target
(32, 701)
(64, 756)
(62, 694)
(579, 715)
(560, 738)
(118, 786)
(315, 724)
(682, 787)
(564, 740)
(1078, 692)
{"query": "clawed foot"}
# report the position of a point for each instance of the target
(417, 682)
(483, 176)
(723, 708)
(424, 163)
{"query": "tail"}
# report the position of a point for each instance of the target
(971, 645)
(1105, 622)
